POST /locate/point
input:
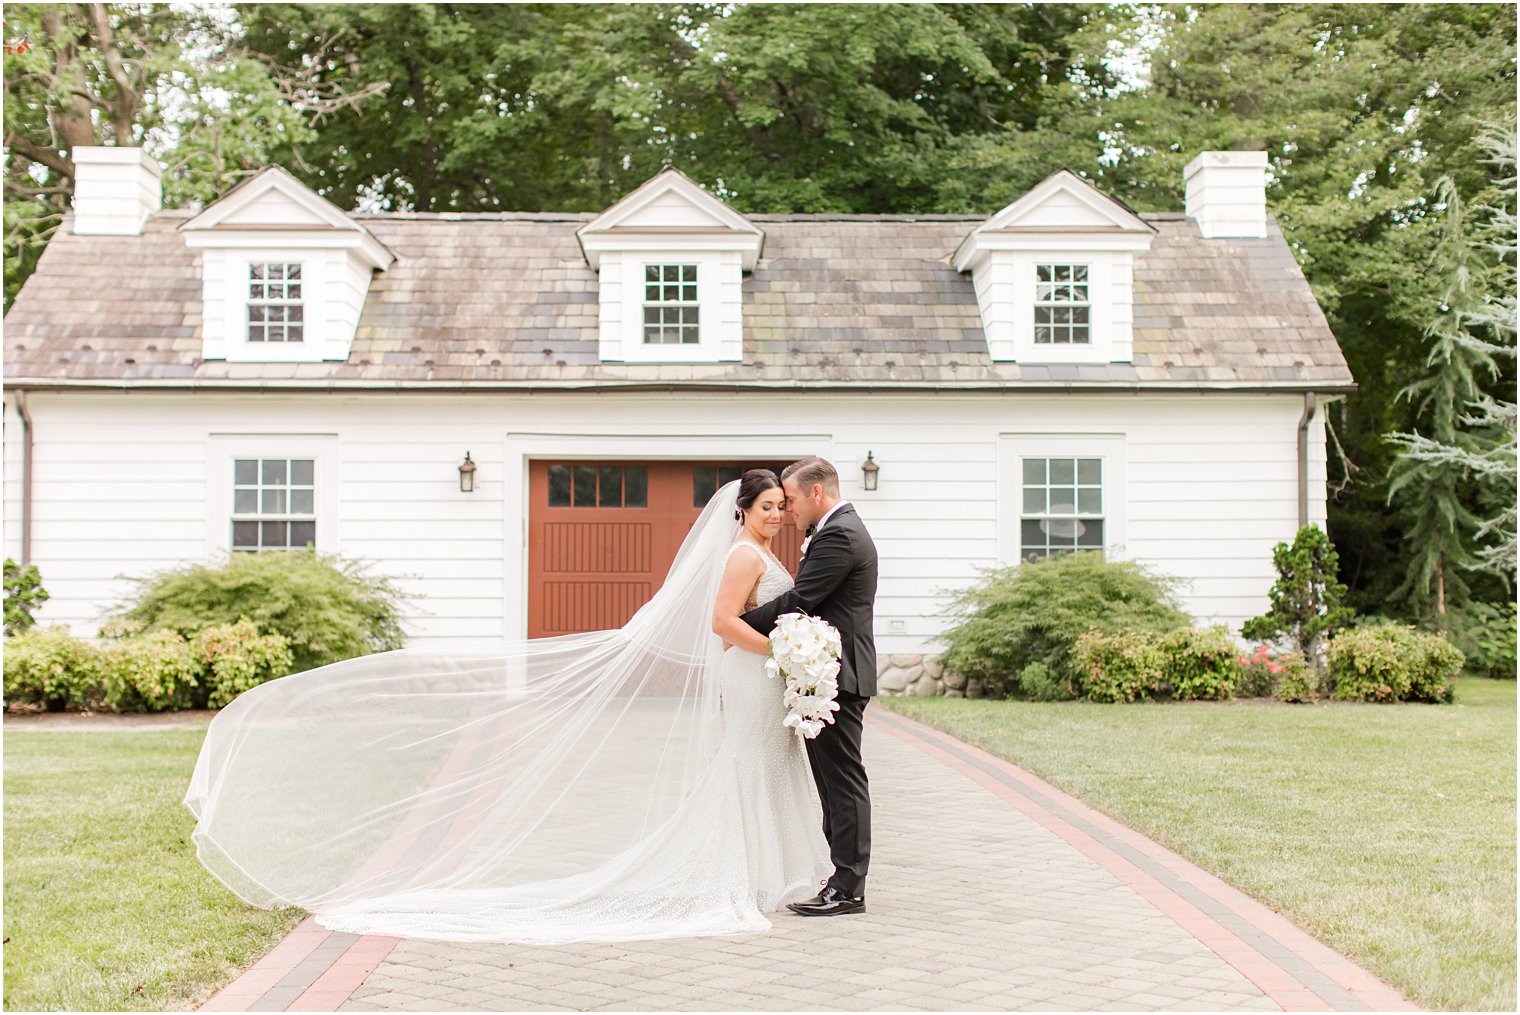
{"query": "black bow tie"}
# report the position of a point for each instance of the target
(812, 529)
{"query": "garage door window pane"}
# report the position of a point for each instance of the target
(610, 491)
(585, 486)
(559, 486)
(704, 481)
(636, 486)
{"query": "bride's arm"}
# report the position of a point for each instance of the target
(739, 578)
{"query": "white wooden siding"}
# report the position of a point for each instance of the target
(121, 486)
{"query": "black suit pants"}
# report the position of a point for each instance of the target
(834, 755)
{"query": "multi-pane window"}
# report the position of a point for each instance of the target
(1062, 308)
(705, 480)
(1062, 506)
(598, 486)
(273, 503)
(670, 304)
(275, 311)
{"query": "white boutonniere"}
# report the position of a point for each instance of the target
(805, 541)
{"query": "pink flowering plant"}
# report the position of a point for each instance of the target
(1260, 671)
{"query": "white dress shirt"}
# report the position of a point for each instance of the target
(828, 514)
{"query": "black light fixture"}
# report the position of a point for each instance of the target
(467, 475)
(869, 471)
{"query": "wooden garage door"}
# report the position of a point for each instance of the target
(602, 535)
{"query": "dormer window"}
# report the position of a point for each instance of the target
(1062, 308)
(275, 311)
(1054, 274)
(284, 272)
(671, 306)
(670, 261)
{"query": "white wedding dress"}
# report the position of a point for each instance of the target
(611, 786)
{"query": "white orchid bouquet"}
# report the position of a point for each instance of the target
(805, 653)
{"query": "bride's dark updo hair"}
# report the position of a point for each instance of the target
(751, 485)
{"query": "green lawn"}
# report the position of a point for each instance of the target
(1388, 831)
(106, 906)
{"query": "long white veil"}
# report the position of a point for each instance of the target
(439, 776)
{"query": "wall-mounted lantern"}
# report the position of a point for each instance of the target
(868, 472)
(467, 475)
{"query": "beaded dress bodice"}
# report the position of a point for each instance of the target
(773, 581)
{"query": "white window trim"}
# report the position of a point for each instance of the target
(1111, 448)
(629, 268)
(223, 449)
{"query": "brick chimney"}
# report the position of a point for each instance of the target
(1227, 193)
(115, 190)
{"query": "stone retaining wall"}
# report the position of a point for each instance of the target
(921, 675)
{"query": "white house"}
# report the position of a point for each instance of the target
(271, 370)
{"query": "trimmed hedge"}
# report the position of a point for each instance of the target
(155, 671)
(1183, 664)
(1391, 662)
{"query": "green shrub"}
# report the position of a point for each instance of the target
(1295, 680)
(1199, 664)
(1391, 662)
(324, 608)
(23, 594)
(152, 672)
(1040, 683)
(1486, 635)
(235, 657)
(50, 667)
(1306, 598)
(1033, 612)
(1126, 666)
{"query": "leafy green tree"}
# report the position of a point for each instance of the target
(173, 79)
(776, 107)
(1306, 598)
(23, 594)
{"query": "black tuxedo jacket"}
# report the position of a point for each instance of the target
(837, 583)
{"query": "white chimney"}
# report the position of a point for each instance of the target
(115, 190)
(1227, 193)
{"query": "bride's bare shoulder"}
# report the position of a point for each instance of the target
(744, 563)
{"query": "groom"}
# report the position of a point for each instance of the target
(836, 582)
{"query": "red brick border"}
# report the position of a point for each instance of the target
(1198, 901)
(311, 969)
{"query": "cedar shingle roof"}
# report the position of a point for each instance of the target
(507, 299)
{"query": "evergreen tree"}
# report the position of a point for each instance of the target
(1465, 459)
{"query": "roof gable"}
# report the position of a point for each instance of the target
(667, 209)
(1061, 203)
(274, 200)
(271, 197)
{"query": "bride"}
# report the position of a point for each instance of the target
(606, 786)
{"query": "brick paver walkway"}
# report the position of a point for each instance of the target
(990, 890)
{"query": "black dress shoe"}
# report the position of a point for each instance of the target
(829, 902)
